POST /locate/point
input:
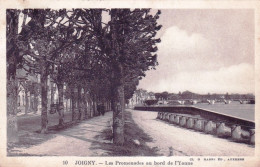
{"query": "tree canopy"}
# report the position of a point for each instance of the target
(78, 49)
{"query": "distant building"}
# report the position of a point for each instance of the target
(29, 94)
(140, 96)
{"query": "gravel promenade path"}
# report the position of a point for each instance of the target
(186, 142)
(74, 141)
(78, 140)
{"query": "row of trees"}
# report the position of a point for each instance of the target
(79, 50)
(190, 95)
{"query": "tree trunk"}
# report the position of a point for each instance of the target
(87, 115)
(85, 104)
(74, 103)
(26, 102)
(70, 108)
(91, 108)
(95, 108)
(118, 100)
(52, 93)
(79, 103)
(31, 102)
(35, 103)
(90, 114)
(61, 105)
(66, 109)
(44, 93)
(118, 107)
(109, 105)
(12, 18)
(35, 99)
(12, 128)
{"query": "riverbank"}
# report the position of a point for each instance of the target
(244, 111)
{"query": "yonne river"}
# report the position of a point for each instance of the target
(244, 111)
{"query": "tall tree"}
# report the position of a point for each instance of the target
(106, 60)
(14, 59)
(53, 32)
(132, 48)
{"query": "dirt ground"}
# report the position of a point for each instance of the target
(92, 137)
(74, 141)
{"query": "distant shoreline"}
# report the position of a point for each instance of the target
(244, 111)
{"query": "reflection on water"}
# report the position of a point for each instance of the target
(245, 111)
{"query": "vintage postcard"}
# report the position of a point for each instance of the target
(129, 83)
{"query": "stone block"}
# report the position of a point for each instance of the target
(222, 130)
(183, 121)
(177, 119)
(190, 123)
(167, 117)
(161, 115)
(236, 132)
(164, 114)
(199, 125)
(245, 134)
(252, 136)
(171, 118)
(158, 115)
(209, 127)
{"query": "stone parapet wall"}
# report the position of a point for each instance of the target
(234, 132)
(201, 113)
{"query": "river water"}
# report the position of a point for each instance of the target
(244, 111)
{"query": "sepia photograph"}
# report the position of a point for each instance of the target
(130, 82)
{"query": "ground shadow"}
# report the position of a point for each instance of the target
(135, 141)
(29, 132)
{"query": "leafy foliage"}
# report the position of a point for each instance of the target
(77, 49)
(150, 102)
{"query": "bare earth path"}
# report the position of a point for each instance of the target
(184, 141)
(74, 141)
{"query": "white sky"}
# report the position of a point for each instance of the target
(204, 51)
